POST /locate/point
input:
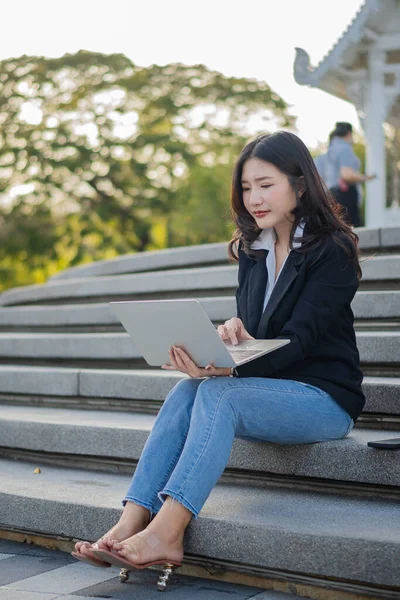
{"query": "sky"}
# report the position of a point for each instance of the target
(254, 38)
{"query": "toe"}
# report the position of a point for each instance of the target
(80, 545)
(95, 546)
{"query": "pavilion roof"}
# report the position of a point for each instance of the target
(348, 57)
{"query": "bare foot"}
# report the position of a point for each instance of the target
(119, 532)
(133, 519)
(162, 540)
(148, 546)
(81, 544)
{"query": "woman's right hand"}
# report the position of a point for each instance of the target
(233, 331)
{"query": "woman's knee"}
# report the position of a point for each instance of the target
(183, 392)
(217, 392)
(187, 385)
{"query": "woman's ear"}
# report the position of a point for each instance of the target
(301, 186)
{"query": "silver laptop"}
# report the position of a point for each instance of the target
(156, 325)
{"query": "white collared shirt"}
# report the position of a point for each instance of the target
(266, 241)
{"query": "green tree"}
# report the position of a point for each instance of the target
(99, 157)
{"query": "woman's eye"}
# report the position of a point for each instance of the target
(248, 189)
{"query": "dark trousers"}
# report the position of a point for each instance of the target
(349, 200)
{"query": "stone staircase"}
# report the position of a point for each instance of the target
(78, 401)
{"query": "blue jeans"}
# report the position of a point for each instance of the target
(190, 443)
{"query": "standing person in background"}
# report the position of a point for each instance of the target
(340, 169)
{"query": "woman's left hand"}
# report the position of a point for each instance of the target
(180, 361)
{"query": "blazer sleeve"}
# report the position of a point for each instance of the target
(330, 285)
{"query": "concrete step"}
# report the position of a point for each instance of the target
(128, 390)
(346, 540)
(102, 315)
(171, 258)
(374, 305)
(173, 283)
(383, 271)
(155, 260)
(114, 440)
(379, 351)
(66, 382)
(389, 237)
(145, 390)
(368, 306)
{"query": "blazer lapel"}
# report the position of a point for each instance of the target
(286, 278)
(255, 293)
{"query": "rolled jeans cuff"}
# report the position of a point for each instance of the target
(179, 498)
(139, 502)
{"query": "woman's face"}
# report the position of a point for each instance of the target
(267, 194)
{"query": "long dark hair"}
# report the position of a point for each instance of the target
(322, 214)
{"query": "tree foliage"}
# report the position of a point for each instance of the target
(99, 157)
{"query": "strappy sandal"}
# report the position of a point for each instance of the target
(169, 566)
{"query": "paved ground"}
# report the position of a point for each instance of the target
(32, 573)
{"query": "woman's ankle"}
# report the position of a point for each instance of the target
(135, 512)
(166, 532)
(171, 522)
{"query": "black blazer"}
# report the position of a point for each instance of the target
(310, 305)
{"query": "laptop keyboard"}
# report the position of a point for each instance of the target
(239, 355)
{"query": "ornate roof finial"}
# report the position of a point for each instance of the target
(302, 67)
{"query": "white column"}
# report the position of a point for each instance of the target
(375, 214)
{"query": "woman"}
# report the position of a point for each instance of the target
(340, 169)
(298, 273)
